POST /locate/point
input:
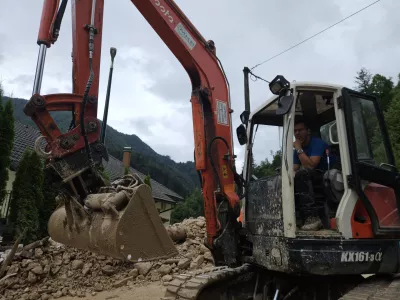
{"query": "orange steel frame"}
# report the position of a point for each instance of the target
(209, 86)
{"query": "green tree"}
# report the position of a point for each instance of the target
(126, 170)
(193, 206)
(6, 142)
(382, 88)
(267, 168)
(50, 191)
(23, 207)
(147, 180)
(377, 85)
(36, 183)
(363, 81)
(392, 118)
(389, 95)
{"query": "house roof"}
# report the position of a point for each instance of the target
(25, 137)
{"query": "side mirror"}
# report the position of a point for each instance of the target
(333, 133)
(284, 105)
(241, 135)
(244, 116)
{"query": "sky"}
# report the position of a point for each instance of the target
(151, 90)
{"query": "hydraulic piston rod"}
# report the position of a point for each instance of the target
(39, 69)
(113, 52)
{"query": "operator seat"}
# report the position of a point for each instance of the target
(331, 189)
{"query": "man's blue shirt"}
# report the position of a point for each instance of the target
(316, 147)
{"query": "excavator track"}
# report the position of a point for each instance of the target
(213, 284)
(190, 286)
(374, 288)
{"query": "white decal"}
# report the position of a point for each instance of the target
(186, 37)
(164, 11)
(361, 256)
(222, 113)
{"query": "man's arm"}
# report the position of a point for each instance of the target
(296, 161)
(309, 162)
(313, 160)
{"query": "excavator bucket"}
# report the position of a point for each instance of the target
(121, 221)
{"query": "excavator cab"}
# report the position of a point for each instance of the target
(361, 190)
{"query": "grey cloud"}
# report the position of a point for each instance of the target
(22, 79)
(24, 84)
(52, 91)
(175, 87)
(141, 126)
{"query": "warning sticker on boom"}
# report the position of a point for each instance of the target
(222, 113)
(185, 35)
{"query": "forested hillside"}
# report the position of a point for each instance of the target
(179, 177)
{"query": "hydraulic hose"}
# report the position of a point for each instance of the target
(82, 115)
(211, 159)
(88, 85)
(59, 17)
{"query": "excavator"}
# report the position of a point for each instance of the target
(259, 252)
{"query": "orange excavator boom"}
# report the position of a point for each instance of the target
(75, 154)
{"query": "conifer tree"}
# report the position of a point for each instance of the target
(36, 186)
(23, 209)
(50, 191)
(6, 142)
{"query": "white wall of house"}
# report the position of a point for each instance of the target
(162, 206)
(5, 203)
(11, 178)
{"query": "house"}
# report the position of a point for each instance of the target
(25, 137)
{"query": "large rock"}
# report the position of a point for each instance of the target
(77, 264)
(38, 270)
(177, 233)
(86, 268)
(108, 270)
(164, 270)
(144, 267)
(184, 263)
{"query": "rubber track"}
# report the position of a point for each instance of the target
(375, 288)
(188, 286)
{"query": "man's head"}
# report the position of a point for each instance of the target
(301, 132)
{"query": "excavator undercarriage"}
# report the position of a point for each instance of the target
(248, 282)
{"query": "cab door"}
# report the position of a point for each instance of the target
(374, 174)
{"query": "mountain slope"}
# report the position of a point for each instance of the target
(179, 177)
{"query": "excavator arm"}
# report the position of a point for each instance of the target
(76, 154)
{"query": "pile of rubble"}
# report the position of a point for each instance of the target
(52, 270)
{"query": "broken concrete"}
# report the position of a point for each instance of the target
(52, 270)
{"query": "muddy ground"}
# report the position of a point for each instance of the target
(147, 291)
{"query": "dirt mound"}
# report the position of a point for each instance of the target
(52, 270)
